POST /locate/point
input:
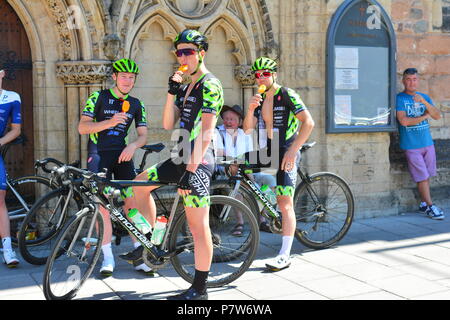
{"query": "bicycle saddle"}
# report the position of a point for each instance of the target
(154, 147)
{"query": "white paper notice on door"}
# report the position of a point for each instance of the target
(347, 58)
(347, 79)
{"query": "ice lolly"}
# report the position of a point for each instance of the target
(261, 89)
(183, 68)
(125, 106)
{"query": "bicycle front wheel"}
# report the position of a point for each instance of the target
(232, 255)
(44, 221)
(324, 209)
(74, 255)
(20, 196)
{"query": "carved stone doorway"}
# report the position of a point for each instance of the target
(15, 57)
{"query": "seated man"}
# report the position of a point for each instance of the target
(231, 141)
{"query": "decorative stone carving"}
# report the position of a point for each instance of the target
(239, 52)
(61, 24)
(192, 8)
(111, 46)
(145, 5)
(75, 72)
(243, 74)
(168, 30)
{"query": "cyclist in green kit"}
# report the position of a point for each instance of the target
(197, 106)
(107, 118)
(288, 125)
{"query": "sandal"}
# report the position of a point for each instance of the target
(237, 230)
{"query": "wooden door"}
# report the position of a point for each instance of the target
(15, 58)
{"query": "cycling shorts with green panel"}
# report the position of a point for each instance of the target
(170, 171)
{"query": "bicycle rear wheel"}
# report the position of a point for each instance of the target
(225, 187)
(324, 209)
(21, 196)
(232, 255)
(44, 221)
(74, 256)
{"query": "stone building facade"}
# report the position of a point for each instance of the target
(72, 44)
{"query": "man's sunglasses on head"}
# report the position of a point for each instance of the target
(263, 75)
(410, 71)
(186, 52)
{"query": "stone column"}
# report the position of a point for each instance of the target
(244, 75)
(81, 78)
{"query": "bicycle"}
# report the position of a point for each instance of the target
(78, 244)
(48, 215)
(323, 204)
(22, 193)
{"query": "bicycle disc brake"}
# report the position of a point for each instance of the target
(275, 226)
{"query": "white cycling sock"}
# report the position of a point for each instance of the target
(107, 251)
(286, 246)
(7, 243)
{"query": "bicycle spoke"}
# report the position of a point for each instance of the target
(324, 210)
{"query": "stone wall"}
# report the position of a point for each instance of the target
(424, 43)
(72, 60)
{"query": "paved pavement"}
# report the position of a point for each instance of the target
(404, 257)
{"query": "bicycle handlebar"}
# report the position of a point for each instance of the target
(44, 162)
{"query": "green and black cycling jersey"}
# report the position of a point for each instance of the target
(205, 97)
(102, 105)
(286, 105)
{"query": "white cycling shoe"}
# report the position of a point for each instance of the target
(10, 258)
(107, 267)
(279, 263)
(139, 265)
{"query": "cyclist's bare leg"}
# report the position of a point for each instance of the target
(107, 226)
(198, 221)
(4, 218)
(286, 206)
(144, 201)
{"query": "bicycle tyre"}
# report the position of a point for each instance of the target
(30, 188)
(323, 222)
(58, 265)
(221, 272)
(44, 221)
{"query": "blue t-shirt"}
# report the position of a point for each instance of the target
(9, 107)
(419, 135)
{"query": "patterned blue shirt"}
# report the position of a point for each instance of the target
(419, 135)
(9, 107)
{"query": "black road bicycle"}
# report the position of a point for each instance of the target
(47, 216)
(77, 247)
(323, 204)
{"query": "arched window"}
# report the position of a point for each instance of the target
(361, 69)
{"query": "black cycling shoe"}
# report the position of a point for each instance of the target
(133, 255)
(190, 294)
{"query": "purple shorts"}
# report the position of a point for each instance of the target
(421, 163)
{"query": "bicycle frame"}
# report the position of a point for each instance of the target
(261, 197)
(131, 228)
